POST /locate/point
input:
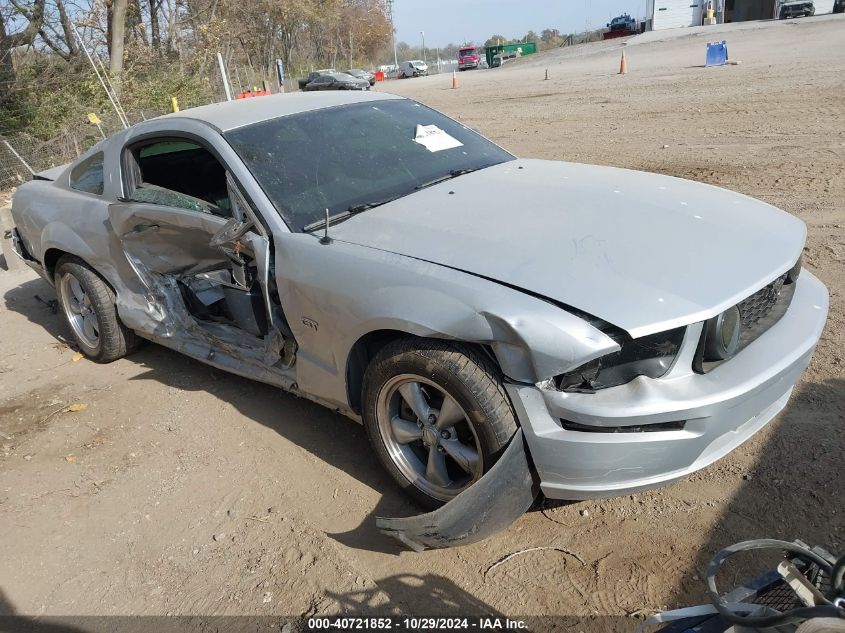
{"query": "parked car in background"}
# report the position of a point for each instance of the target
(468, 58)
(362, 74)
(412, 68)
(623, 22)
(337, 81)
(800, 9)
(313, 75)
(620, 26)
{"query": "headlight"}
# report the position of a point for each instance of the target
(649, 356)
(721, 337)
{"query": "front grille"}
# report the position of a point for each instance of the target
(758, 305)
(757, 313)
(763, 309)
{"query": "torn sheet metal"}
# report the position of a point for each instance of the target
(491, 504)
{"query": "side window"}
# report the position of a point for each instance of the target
(180, 173)
(87, 176)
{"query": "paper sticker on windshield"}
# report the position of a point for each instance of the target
(434, 139)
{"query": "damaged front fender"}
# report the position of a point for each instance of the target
(491, 504)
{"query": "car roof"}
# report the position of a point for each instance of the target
(229, 115)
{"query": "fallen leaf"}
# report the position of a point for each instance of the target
(79, 406)
(77, 357)
(70, 458)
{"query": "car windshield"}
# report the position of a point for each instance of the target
(349, 157)
(467, 51)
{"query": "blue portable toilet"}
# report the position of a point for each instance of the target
(717, 53)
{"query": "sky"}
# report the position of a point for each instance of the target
(461, 21)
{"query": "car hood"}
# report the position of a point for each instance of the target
(641, 251)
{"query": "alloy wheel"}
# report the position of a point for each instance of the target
(79, 311)
(428, 436)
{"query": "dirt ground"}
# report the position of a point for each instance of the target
(183, 490)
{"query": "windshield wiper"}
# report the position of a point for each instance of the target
(345, 215)
(366, 206)
(454, 173)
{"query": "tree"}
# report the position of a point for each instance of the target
(549, 35)
(34, 17)
(159, 48)
(495, 40)
(531, 36)
(118, 37)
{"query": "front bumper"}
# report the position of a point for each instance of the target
(721, 409)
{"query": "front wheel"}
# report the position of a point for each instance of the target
(437, 416)
(87, 304)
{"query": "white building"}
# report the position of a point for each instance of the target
(672, 14)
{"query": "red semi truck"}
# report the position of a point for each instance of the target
(468, 58)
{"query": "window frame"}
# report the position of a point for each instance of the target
(83, 165)
(130, 176)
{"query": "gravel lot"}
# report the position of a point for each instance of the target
(182, 490)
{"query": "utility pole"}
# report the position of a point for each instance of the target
(393, 33)
(224, 76)
(422, 33)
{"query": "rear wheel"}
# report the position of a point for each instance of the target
(87, 303)
(437, 416)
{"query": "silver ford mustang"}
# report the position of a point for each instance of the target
(371, 254)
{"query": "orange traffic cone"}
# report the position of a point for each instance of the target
(454, 80)
(623, 65)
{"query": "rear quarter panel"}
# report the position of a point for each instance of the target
(49, 215)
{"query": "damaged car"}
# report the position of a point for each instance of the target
(499, 325)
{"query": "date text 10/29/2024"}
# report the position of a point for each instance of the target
(403, 623)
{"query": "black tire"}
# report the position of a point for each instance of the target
(115, 340)
(470, 378)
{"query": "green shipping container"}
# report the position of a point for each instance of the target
(521, 48)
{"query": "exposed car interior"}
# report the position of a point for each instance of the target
(216, 267)
(184, 167)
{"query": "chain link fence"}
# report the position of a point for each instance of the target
(20, 152)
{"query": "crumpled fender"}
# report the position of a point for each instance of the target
(491, 504)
